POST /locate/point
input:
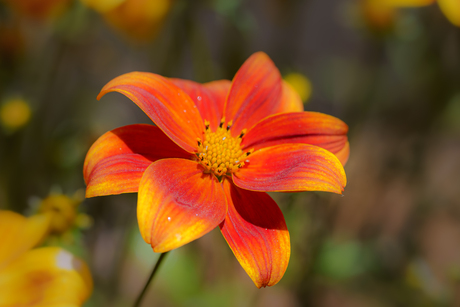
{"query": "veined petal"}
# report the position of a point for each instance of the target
(116, 161)
(451, 8)
(208, 97)
(178, 203)
(290, 168)
(343, 154)
(313, 128)
(19, 234)
(219, 90)
(290, 100)
(255, 93)
(45, 277)
(169, 107)
(256, 232)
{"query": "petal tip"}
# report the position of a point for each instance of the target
(159, 248)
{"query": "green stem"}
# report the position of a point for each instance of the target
(152, 275)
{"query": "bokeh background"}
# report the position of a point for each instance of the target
(392, 74)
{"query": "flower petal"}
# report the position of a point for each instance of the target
(48, 276)
(255, 93)
(313, 128)
(290, 100)
(20, 234)
(116, 161)
(178, 203)
(168, 106)
(291, 167)
(343, 154)
(209, 98)
(256, 232)
(451, 8)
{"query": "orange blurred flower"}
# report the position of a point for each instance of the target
(216, 149)
(47, 276)
(38, 9)
(140, 19)
(378, 14)
(12, 43)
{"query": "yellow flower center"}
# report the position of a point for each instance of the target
(62, 211)
(220, 153)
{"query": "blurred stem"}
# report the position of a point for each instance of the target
(152, 275)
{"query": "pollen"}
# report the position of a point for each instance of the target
(219, 152)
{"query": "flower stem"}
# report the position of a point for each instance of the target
(152, 275)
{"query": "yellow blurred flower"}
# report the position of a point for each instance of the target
(140, 19)
(14, 114)
(38, 9)
(381, 13)
(63, 214)
(47, 276)
(407, 3)
(451, 9)
(300, 84)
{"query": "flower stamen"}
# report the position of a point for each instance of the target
(220, 153)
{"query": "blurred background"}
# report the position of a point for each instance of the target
(390, 71)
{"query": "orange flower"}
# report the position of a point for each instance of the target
(216, 149)
(140, 19)
(39, 9)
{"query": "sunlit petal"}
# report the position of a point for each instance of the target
(209, 98)
(116, 161)
(167, 105)
(19, 234)
(314, 128)
(255, 93)
(45, 277)
(256, 232)
(292, 167)
(178, 203)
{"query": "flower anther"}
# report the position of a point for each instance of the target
(220, 153)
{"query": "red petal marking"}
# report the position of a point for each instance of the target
(178, 203)
(313, 128)
(290, 168)
(290, 100)
(209, 98)
(168, 106)
(256, 232)
(116, 161)
(255, 93)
